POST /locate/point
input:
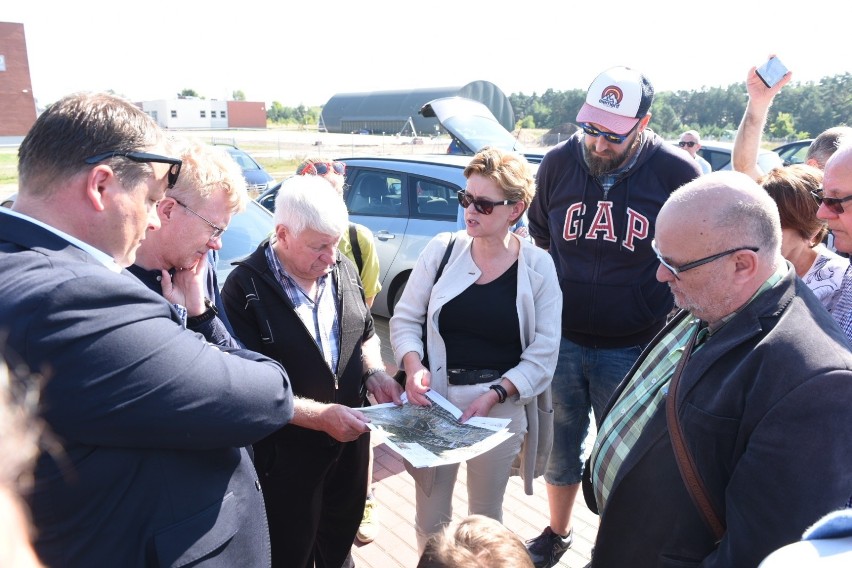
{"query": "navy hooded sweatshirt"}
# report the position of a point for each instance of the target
(601, 244)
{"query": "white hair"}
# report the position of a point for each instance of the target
(310, 202)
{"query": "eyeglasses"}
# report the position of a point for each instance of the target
(321, 168)
(686, 143)
(676, 270)
(217, 231)
(481, 205)
(610, 137)
(143, 157)
(834, 204)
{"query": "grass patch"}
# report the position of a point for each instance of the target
(9, 166)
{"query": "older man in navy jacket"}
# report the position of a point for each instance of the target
(754, 373)
(150, 420)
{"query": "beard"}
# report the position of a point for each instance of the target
(610, 160)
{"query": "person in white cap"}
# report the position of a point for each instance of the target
(596, 204)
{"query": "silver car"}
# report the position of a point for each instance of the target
(404, 201)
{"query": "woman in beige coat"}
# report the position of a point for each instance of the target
(492, 335)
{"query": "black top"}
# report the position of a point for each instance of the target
(480, 326)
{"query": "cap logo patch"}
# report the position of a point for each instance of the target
(611, 97)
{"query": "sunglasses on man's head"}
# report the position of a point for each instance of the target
(321, 168)
(834, 204)
(610, 137)
(143, 157)
(686, 143)
(484, 206)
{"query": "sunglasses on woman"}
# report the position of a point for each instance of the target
(481, 205)
(321, 168)
(833, 204)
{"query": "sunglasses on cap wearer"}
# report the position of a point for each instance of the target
(686, 143)
(677, 270)
(321, 168)
(610, 137)
(483, 206)
(834, 204)
(143, 157)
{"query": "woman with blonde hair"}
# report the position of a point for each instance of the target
(492, 337)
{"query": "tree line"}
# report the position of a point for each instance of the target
(800, 110)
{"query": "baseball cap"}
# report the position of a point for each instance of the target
(617, 99)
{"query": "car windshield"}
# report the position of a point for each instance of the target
(244, 160)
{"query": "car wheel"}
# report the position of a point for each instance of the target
(397, 294)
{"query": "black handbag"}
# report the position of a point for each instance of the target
(399, 376)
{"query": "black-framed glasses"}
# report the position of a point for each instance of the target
(217, 231)
(610, 137)
(484, 206)
(143, 157)
(834, 204)
(686, 143)
(676, 270)
(321, 168)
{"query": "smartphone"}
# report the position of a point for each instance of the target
(771, 72)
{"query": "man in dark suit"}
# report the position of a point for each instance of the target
(149, 418)
(759, 379)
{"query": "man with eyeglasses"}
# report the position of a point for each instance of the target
(595, 207)
(178, 260)
(730, 435)
(691, 142)
(836, 210)
(145, 465)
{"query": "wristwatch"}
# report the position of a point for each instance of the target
(372, 371)
(204, 316)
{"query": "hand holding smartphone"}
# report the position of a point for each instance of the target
(771, 72)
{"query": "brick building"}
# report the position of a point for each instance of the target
(17, 104)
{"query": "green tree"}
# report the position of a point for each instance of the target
(187, 93)
(238, 95)
(782, 127)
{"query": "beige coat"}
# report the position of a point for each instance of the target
(539, 304)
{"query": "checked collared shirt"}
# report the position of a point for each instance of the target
(643, 395)
(319, 315)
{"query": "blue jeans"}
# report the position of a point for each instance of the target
(585, 377)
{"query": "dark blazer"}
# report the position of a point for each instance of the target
(766, 409)
(149, 416)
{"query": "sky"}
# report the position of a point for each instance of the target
(304, 53)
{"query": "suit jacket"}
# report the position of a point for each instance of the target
(150, 417)
(766, 411)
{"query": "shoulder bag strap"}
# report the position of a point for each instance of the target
(356, 247)
(438, 273)
(685, 462)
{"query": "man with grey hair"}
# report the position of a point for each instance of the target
(299, 301)
(706, 452)
(178, 260)
(691, 142)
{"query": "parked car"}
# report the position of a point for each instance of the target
(719, 156)
(794, 152)
(472, 126)
(8, 201)
(246, 230)
(257, 179)
(405, 201)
